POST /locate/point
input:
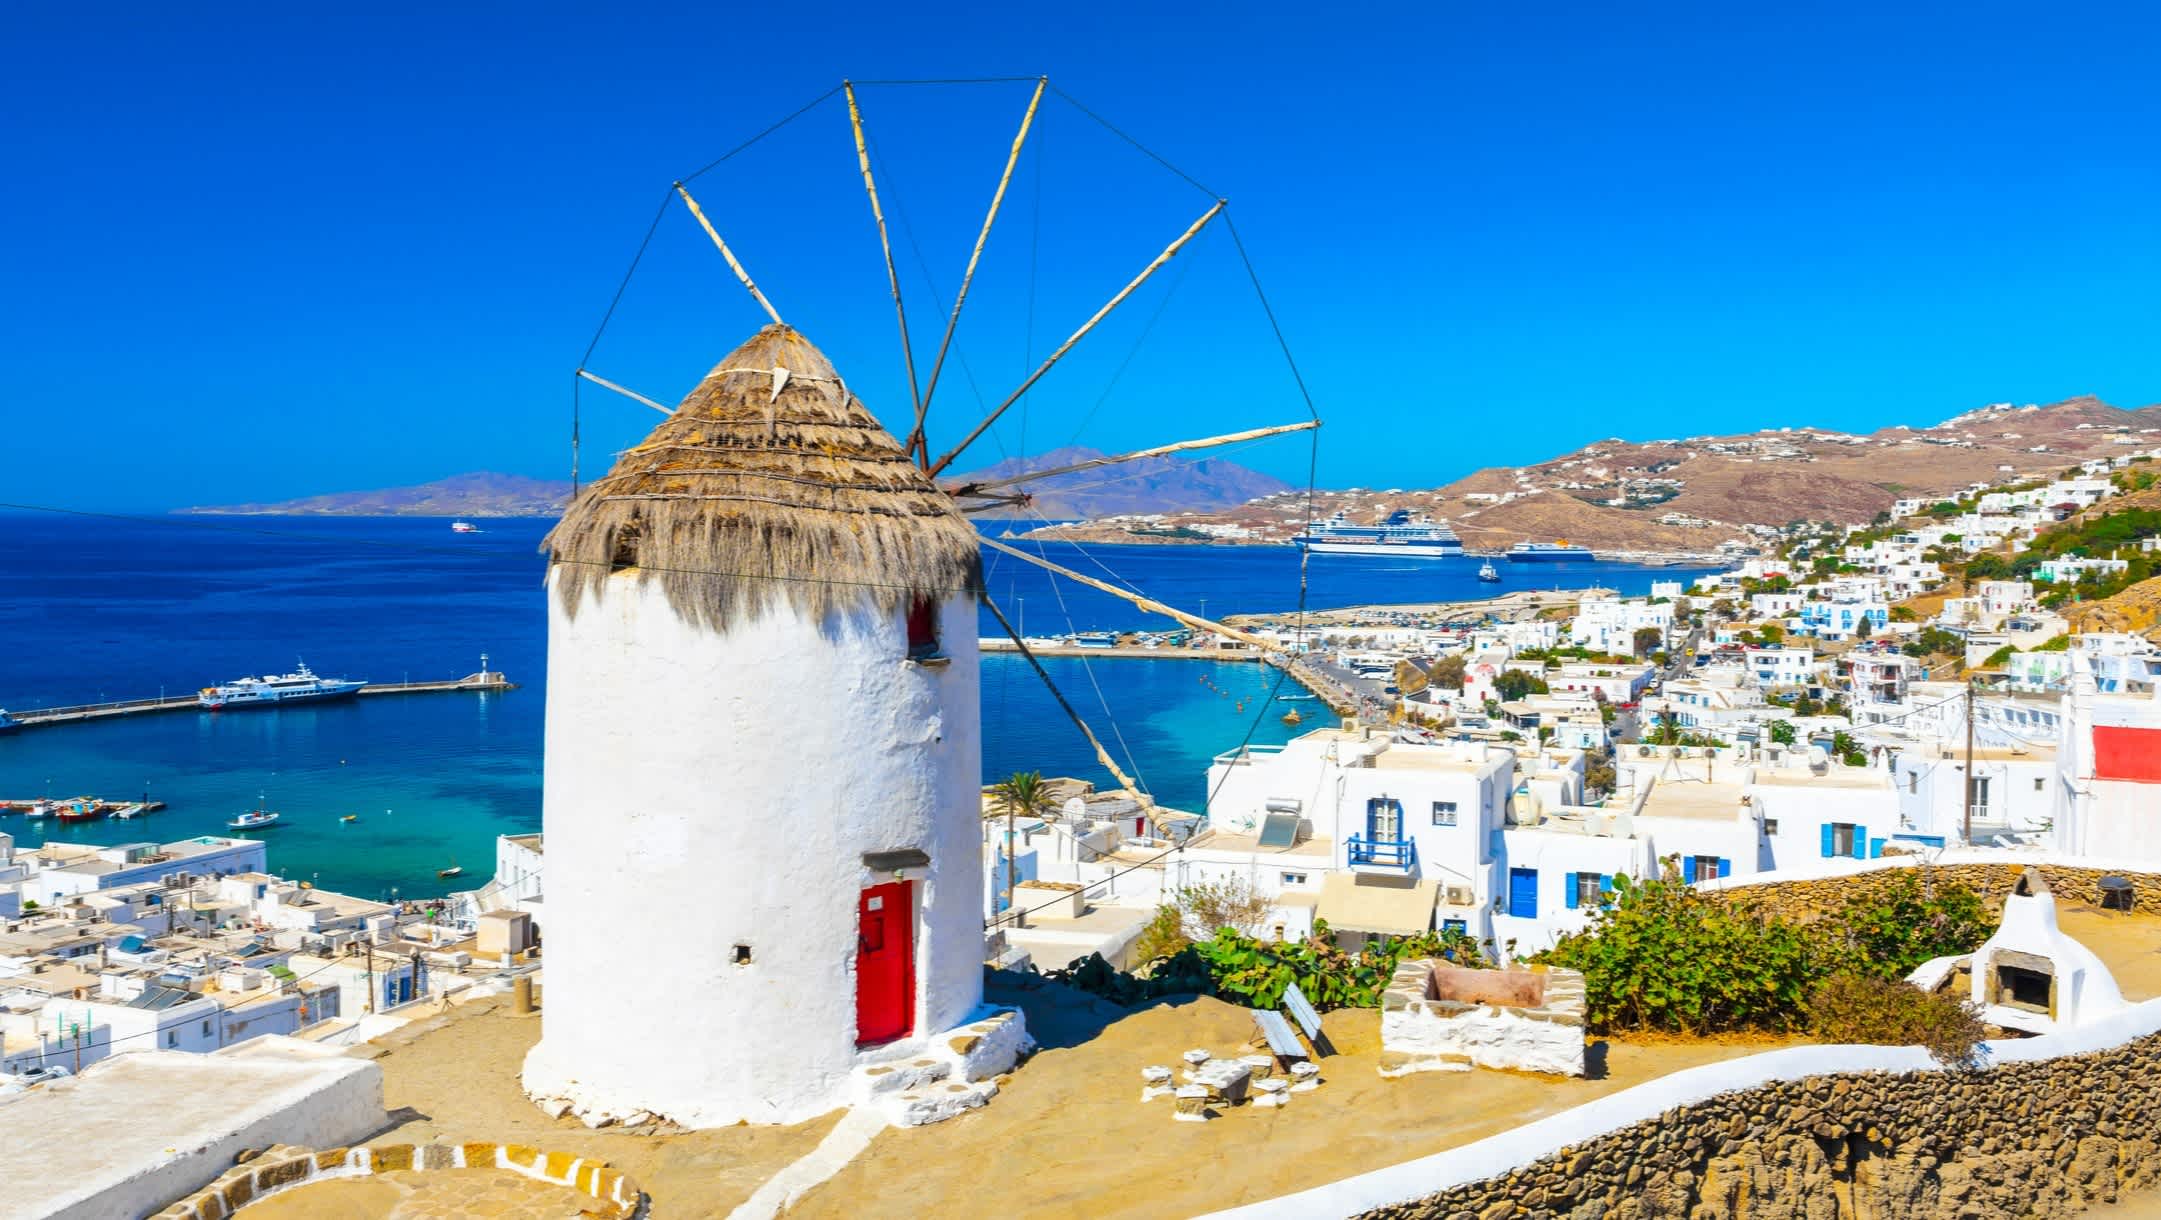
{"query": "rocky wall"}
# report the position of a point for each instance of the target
(1806, 897)
(2043, 1138)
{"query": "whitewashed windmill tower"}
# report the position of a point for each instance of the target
(762, 786)
(763, 766)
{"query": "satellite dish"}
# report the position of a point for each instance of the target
(1074, 809)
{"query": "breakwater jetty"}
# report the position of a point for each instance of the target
(485, 680)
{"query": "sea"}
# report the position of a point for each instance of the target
(96, 608)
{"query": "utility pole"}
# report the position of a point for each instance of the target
(1012, 867)
(1969, 762)
(368, 944)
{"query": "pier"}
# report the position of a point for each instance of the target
(485, 680)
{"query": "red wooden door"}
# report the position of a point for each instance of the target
(885, 964)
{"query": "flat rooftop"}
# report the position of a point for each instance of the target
(1836, 777)
(1250, 844)
(73, 1141)
(1717, 800)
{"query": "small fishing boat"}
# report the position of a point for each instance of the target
(1294, 698)
(254, 819)
(43, 809)
(81, 809)
(350, 817)
(455, 870)
(125, 812)
(1487, 572)
(1292, 717)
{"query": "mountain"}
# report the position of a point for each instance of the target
(480, 494)
(1149, 485)
(1690, 495)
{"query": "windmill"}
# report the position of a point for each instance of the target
(752, 716)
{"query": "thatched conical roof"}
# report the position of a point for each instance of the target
(767, 486)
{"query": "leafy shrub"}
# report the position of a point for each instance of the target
(1666, 956)
(1163, 936)
(1256, 973)
(1907, 919)
(1853, 1008)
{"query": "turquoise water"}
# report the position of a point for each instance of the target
(114, 608)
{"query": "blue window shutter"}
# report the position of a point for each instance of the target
(1688, 868)
(1725, 867)
(1605, 884)
(1875, 848)
(1573, 882)
(1829, 847)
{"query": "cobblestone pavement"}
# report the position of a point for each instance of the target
(440, 1194)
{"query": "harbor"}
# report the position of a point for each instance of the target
(80, 808)
(481, 682)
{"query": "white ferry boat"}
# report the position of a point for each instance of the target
(464, 527)
(1487, 572)
(1547, 552)
(300, 686)
(1400, 534)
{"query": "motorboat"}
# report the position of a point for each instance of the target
(270, 690)
(254, 819)
(464, 527)
(1487, 572)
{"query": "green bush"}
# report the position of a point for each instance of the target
(1256, 973)
(1849, 1008)
(1905, 920)
(1664, 955)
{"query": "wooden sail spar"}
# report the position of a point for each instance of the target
(1103, 756)
(606, 384)
(892, 277)
(916, 440)
(979, 489)
(1149, 604)
(733, 264)
(1169, 252)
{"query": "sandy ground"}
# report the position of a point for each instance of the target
(456, 1078)
(2129, 944)
(1090, 1147)
(1071, 1126)
(442, 1194)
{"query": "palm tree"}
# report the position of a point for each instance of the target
(1022, 792)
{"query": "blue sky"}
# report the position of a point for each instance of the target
(262, 253)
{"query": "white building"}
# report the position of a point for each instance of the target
(68, 869)
(2108, 788)
(796, 759)
(1609, 624)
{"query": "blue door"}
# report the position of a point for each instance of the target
(1523, 892)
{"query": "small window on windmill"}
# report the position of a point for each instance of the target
(742, 955)
(922, 629)
(1279, 830)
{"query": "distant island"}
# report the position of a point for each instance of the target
(481, 494)
(1153, 485)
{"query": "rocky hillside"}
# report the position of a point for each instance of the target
(1151, 485)
(465, 495)
(1689, 495)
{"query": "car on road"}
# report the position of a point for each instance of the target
(35, 1075)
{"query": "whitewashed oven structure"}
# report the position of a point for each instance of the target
(762, 768)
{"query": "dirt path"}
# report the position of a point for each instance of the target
(457, 1079)
(1072, 1116)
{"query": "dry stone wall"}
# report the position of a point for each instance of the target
(2045, 1139)
(1807, 897)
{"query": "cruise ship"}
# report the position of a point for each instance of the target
(1401, 534)
(1547, 552)
(300, 686)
